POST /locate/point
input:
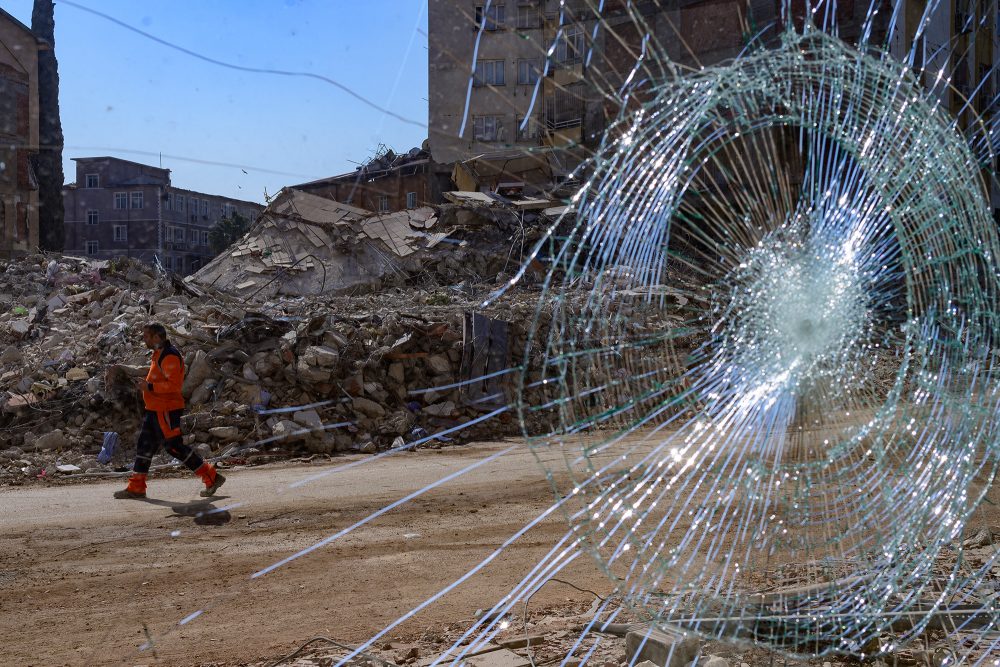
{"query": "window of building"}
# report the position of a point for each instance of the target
(489, 73)
(121, 200)
(529, 16)
(179, 203)
(228, 210)
(487, 128)
(383, 203)
(528, 71)
(494, 16)
(529, 132)
(204, 238)
(93, 180)
(137, 200)
(569, 50)
(179, 264)
(121, 233)
(178, 235)
(411, 200)
(193, 206)
(204, 208)
(93, 217)
(92, 247)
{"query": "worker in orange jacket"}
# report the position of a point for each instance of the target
(161, 423)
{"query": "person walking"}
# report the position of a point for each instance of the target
(161, 422)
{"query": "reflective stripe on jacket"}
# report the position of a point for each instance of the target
(164, 380)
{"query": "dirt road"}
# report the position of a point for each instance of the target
(85, 579)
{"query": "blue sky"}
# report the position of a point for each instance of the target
(125, 95)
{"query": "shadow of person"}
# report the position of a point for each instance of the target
(203, 512)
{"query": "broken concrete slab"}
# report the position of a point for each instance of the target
(368, 407)
(502, 658)
(11, 355)
(320, 355)
(450, 655)
(54, 440)
(523, 641)
(666, 648)
(224, 433)
(308, 419)
(77, 375)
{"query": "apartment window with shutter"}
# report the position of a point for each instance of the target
(487, 128)
(494, 16)
(529, 16)
(529, 132)
(528, 71)
(489, 73)
(569, 50)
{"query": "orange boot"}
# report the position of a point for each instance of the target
(136, 487)
(213, 479)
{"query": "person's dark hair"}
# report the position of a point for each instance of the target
(156, 328)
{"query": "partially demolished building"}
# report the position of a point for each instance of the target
(304, 244)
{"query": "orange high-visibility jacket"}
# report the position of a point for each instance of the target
(162, 392)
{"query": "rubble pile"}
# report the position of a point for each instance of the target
(291, 352)
(296, 375)
(304, 244)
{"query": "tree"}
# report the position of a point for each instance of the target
(227, 231)
(48, 165)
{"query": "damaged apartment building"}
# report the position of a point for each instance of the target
(537, 105)
(119, 208)
(19, 124)
(545, 74)
(387, 182)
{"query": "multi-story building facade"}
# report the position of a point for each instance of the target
(492, 65)
(18, 135)
(956, 51)
(501, 47)
(122, 208)
(485, 57)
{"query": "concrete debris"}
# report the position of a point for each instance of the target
(53, 440)
(225, 433)
(501, 658)
(362, 333)
(712, 661)
(304, 244)
(662, 647)
(523, 641)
